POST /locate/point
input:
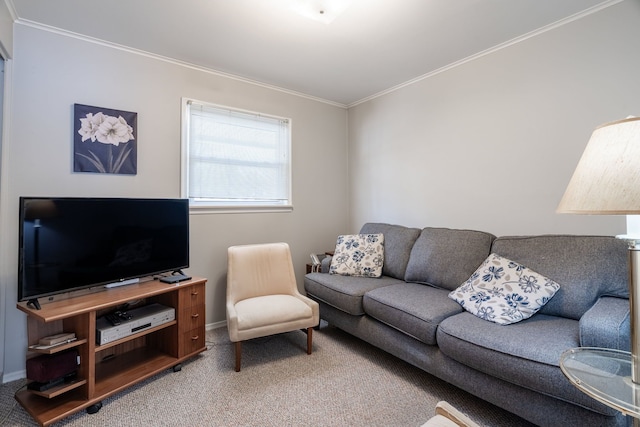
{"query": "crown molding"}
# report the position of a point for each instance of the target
(531, 34)
(94, 40)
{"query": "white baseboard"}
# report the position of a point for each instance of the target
(216, 325)
(13, 376)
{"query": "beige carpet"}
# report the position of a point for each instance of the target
(345, 382)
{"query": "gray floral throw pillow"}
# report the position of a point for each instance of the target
(504, 292)
(358, 255)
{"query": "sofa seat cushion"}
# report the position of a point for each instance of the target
(344, 292)
(526, 353)
(412, 308)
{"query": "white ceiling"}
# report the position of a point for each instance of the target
(374, 46)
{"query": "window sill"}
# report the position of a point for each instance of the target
(200, 210)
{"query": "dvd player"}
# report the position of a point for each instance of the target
(140, 319)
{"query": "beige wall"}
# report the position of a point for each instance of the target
(492, 144)
(51, 72)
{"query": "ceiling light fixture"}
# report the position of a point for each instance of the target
(324, 11)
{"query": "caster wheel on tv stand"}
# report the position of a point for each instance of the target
(93, 409)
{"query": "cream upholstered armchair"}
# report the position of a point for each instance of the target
(263, 297)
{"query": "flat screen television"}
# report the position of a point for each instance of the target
(71, 243)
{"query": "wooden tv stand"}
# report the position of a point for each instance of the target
(110, 368)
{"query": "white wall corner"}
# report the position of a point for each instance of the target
(7, 16)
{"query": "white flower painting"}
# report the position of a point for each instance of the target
(105, 140)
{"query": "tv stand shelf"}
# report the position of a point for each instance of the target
(110, 368)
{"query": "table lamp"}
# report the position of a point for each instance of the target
(607, 182)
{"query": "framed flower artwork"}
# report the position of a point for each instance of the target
(104, 140)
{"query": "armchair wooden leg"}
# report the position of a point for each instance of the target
(309, 340)
(238, 355)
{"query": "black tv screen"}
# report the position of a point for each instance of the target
(71, 243)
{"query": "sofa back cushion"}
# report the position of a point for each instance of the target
(398, 241)
(446, 257)
(585, 267)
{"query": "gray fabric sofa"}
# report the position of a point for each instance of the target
(407, 312)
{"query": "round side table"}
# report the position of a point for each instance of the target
(605, 375)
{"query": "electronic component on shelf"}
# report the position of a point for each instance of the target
(133, 321)
(57, 339)
(44, 386)
(47, 347)
(46, 368)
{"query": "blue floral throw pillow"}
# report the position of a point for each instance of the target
(504, 292)
(358, 255)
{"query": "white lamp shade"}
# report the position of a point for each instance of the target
(607, 178)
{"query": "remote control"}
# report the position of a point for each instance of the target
(124, 315)
(113, 318)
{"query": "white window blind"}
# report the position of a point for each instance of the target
(237, 158)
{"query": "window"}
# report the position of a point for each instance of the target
(234, 159)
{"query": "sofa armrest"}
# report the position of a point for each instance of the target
(607, 324)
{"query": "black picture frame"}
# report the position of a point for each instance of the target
(104, 140)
